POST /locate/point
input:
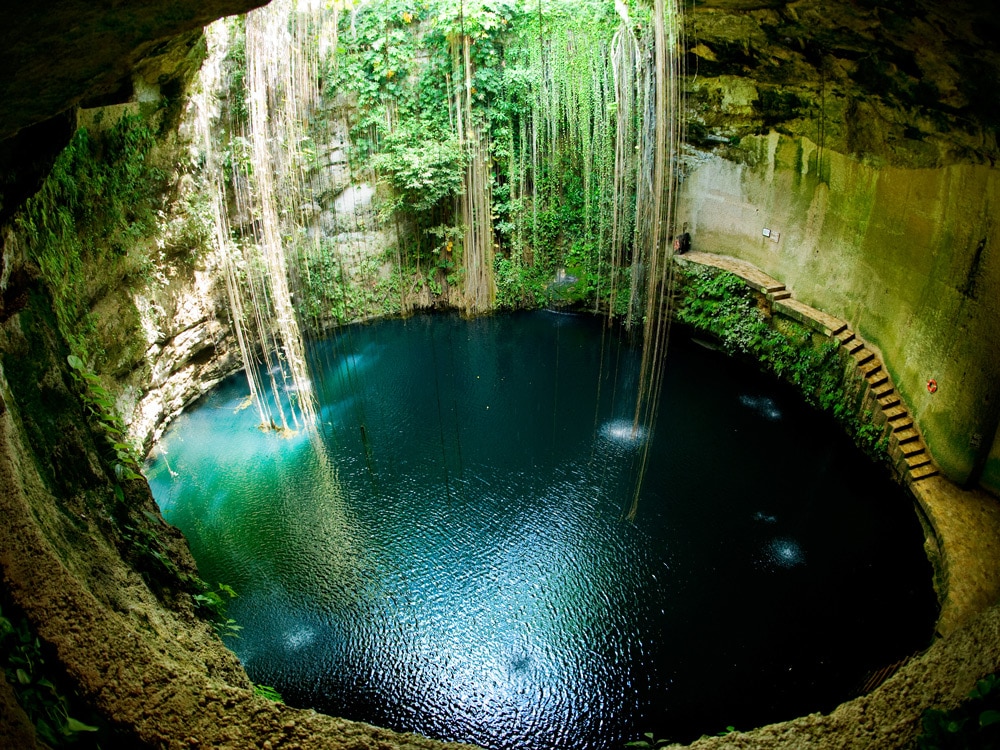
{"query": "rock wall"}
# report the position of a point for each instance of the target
(907, 256)
(849, 150)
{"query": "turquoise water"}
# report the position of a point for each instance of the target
(448, 555)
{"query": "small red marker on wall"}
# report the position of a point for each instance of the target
(931, 385)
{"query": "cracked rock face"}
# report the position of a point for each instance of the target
(62, 52)
(907, 84)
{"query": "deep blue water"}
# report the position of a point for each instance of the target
(451, 556)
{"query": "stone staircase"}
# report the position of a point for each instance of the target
(905, 443)
(909, 453)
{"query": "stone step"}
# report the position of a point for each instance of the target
(895, 412)
(917, 459)
(818, 320)
(901, 424)
(852, 345)
(863, 355)
(844, 336)
(905, 436)
(923, 472)
(870, 367)
(783, 294)
(878, 379)
(887, 399)
(912, 448)
(753, 276)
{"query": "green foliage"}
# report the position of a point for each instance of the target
(539, 86)
(236, 59)
(649, 742)
(721, 304)
(422, 167)
(35, 685)
(518, 284)
(266, 691)
(95, 210)
(145, 547)
(101, 412)
(338, 289)
(213, 603)
(975, 723)
(237, 158)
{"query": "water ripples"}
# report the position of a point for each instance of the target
(467, 573)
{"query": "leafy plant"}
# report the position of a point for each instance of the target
(421, 83)
(266, 691)
(100, 407)
(974, 723)
(213, 603)
(422, 166)
(649, 742)
(146, 548)
(25, 668)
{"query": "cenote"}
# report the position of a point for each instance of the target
(449, 553)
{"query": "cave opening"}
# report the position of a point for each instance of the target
(180, 202)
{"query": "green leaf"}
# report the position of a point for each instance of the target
(266, 691)
(228, 590)
(75, 362)
(987, 718)
(78, 726)
(954, 727)
(46, 733)
(23, 677)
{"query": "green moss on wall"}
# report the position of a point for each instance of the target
(906, 256)
(721, 304)
(88, 228)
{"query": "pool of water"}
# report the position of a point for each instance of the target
(449, 555)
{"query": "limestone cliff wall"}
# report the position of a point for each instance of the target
(908, 256)
(864, 138)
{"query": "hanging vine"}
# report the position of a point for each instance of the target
(668, 134)
(520, 150)
(263, 177)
